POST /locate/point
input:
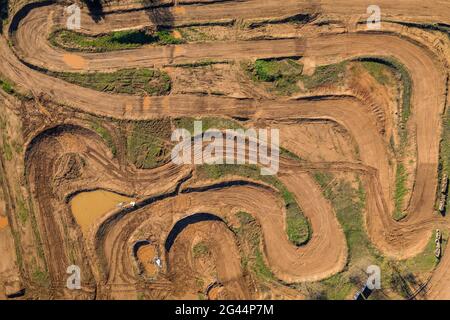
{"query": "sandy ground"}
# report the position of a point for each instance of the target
(397, 239)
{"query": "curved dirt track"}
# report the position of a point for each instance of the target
(224, 254)
(98, 172)
(288, 262)
(402, 240)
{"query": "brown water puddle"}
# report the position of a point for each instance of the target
(146, 255)
(88, 207)
(3, 222)
(74, 61)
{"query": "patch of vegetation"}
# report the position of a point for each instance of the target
(427, 261)
(207, 123)
(248, 234)
(148, 143)
(401, 191)
(127, 81)
(7, 86)
(338, 287)
(407, 89)
(282, 74)
(194, 34)
(260, 266)
(427, 26)
(22, 211)
(378, 71)
(7, 150)
(17, 146)
(200, 250)
(117, 40)
(140, 296)
(444, 156)
(297, 226)
(289, 154)
(323, 179)
(244, 218)
(11, 88)
(3, 123)
(106, 136)
(406, 80)
(348, 203)
(273, 70)
(200, 63)
(41, 278)
(165, 37)
(201, 296)
(325, 75)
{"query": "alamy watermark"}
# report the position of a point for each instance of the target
(74, 20)
(374, 20)
(251, 146)
(74, 280)
(374, 279)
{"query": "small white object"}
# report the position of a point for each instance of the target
(132, 203)
(158, 262)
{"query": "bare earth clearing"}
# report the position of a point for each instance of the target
(222, 236)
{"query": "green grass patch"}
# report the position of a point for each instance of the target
(22, 211)
(127, 81)
(11, 88)
(325, 75)
(249, 236)
(378, 71)
(348, 202)
(323, 178)
(195, 34)
(444, 156)
(338, 287)
(7, 86)
(148, 143)
(17, 146)
(401, 191)
(406, 81)
(407, 89)
(200, 63)
(290, 155)
(282, 74)
(297, 226)
(260, 267)
(117, 40)
(207, 123)
(428, 26)
(7, 150)
(245, 218)
(427, 260)
(41, 278)
(200, 250)
(140, 296)
(106, 136)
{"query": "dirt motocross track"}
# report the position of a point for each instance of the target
(192, 221)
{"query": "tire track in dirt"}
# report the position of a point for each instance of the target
(428, 104)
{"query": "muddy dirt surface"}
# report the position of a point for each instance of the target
(88, 204)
